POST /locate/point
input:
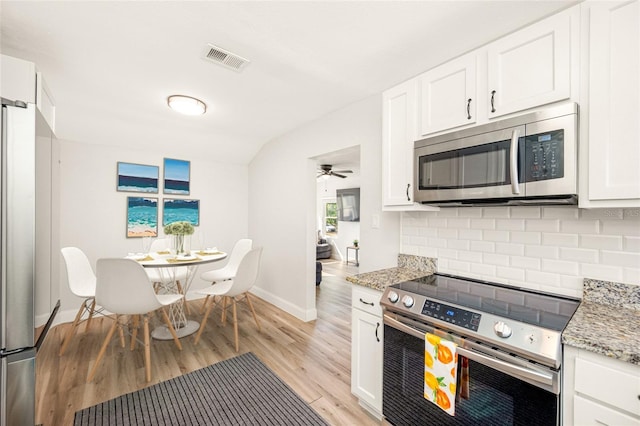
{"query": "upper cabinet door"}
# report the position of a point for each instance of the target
(447, 96)
(531, 67)
(398, 130)
(612, 133)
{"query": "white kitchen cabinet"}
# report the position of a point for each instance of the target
(532, 67)
(367, 348)
(21, 81)
(598, 390)
(447, 96)
(610, 129)
(398, 124)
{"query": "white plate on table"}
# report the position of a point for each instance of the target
(186, 257)
(136, 256)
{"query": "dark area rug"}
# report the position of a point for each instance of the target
(237, 391)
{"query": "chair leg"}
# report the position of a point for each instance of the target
(92, 309)
(71, 331)
(204, 319)
(204, 305)
(253, 312)
(235, 322)
(134, 334)
(147, 349)
(171, 329)
(224, 310)
(103, 349)
(121, 333)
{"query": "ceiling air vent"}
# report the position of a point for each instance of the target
(225, 58)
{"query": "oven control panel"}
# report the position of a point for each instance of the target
(451, 314)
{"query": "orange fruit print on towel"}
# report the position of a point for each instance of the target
(444, 354)
(442, 399)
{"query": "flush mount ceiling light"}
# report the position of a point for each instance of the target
(186, 105)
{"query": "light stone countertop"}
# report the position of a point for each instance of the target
(409, 268)
(607, 322)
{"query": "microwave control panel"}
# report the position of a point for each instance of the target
(544, 156)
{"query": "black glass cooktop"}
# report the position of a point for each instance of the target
(530, 307)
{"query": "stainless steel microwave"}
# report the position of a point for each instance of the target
(529, 159)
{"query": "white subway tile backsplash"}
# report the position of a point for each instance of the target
(621, 227)
(547, 248)
(602, 242)
(631, 244)
(510, 249)
(580, 226)
(525, 262)
(510, 224)
(491, 235)
(483, 224)
(601, 213)
(542, 225)
(526, 237)
(579, 255)
(560, 267)
(495, 259)
(553, 212)
(458, 244)
(542, 252)
(470, 234)
(482, 246)
(525, 212)
(496, 212)
(629, 260)
(559, 240)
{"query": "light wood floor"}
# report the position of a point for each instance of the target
(312, 358)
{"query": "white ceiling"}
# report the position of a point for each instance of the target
(111, 65)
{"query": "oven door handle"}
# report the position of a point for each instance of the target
(513, 370)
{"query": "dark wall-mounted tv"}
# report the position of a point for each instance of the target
(348, 204)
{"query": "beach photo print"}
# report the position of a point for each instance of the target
(138, 178)
(179, 210)
(142, 217)
(176, 176)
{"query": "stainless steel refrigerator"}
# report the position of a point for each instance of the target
(18, 344)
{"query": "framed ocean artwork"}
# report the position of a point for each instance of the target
(138, 178)
(177, 210)
(142, 217)
(176, 176)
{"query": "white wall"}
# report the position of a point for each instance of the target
(546, 248)
(282, 206)
(93, 213)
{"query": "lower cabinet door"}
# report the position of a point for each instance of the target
(366, 359)
(587, 413)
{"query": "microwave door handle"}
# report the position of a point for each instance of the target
(515, 185)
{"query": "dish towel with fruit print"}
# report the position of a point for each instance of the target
(440, 367)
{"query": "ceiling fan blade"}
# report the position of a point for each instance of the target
(337, 175)
(343, 171)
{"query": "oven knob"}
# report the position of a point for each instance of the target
(393, 297)
(407, 301)
(502, 330)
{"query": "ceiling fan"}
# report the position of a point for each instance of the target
(326, 170)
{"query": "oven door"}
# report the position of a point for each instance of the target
(500, 393)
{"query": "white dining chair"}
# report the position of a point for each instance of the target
(235, 290)
(228, 271)
(82, 283)
(123, 288)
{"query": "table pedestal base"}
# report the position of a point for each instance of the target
(163, 333)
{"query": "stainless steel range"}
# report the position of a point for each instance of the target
(510, 337)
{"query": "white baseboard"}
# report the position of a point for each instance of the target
(296, 311)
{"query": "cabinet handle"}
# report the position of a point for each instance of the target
(366, 303)
(377, 327)
(408, 185)
(493, 96)
(469, 109)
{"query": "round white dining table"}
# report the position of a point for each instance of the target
(169, 265)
